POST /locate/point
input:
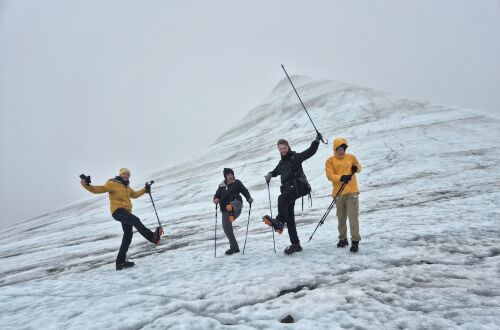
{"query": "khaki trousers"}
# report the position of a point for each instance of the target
(348, 207)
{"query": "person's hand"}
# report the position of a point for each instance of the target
(83, 182)
(250, 200)
(354, 169)
(216, 201)
(85, 179)
(345, 178)
(268, 177)
(319, 137)
(147, 188)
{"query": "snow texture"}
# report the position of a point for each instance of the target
(429, 256)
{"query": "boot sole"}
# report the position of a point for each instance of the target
(160, 234)
(269, 223)
(290, 253)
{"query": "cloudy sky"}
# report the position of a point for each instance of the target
(91, 86)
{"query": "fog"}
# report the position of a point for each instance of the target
(92, 86)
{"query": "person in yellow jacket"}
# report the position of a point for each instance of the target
(341, 168)
(121, 209)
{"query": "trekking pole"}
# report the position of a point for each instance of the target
(248, 222)
(271, 210)
(215, 238)
(307, 112)
(323, 218)
(150, 196)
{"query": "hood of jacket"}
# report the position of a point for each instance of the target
(337, 143)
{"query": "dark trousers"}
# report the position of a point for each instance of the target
(128, 220)
(228, 226)
(286, 213)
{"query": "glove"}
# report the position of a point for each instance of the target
(85, 178)
(250, 200)
(148, 188)
(268, 177)
(345, 178)
(319, 137)
(354, 168)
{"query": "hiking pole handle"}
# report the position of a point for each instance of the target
(149, 184)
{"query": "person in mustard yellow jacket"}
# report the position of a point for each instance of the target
(342, 168)
(121, 209)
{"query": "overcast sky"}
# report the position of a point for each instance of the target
(91, 86)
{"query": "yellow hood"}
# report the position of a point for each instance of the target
(337, 143)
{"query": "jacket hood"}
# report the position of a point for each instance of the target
(337, 143)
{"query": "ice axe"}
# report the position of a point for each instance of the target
(307, 112)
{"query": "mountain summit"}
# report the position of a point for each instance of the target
(429, 218)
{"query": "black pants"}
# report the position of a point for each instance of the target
(128, 220)
(286, 212)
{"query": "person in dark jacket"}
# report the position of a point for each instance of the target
(230, 201)
(293, 186)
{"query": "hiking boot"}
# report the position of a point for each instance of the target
(293, 248)
(343, 243)
(276, 224)
(122, 265)
(157, 235)
(232, 251)
(354, 247)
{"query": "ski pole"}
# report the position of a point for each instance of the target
(248, 222)
(150, 196)
(271, 211)
(307, 112)
(330, 207)
(215, 238)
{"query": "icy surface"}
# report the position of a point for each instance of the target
(429, 258)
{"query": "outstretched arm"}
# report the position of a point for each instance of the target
(95, 189)
(308, 153)
(137, 194)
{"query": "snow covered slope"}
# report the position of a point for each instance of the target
(429, 258)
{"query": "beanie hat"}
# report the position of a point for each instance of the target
(124, 170)
(227, 171)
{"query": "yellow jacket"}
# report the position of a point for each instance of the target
(119, 194)
(336, 167)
